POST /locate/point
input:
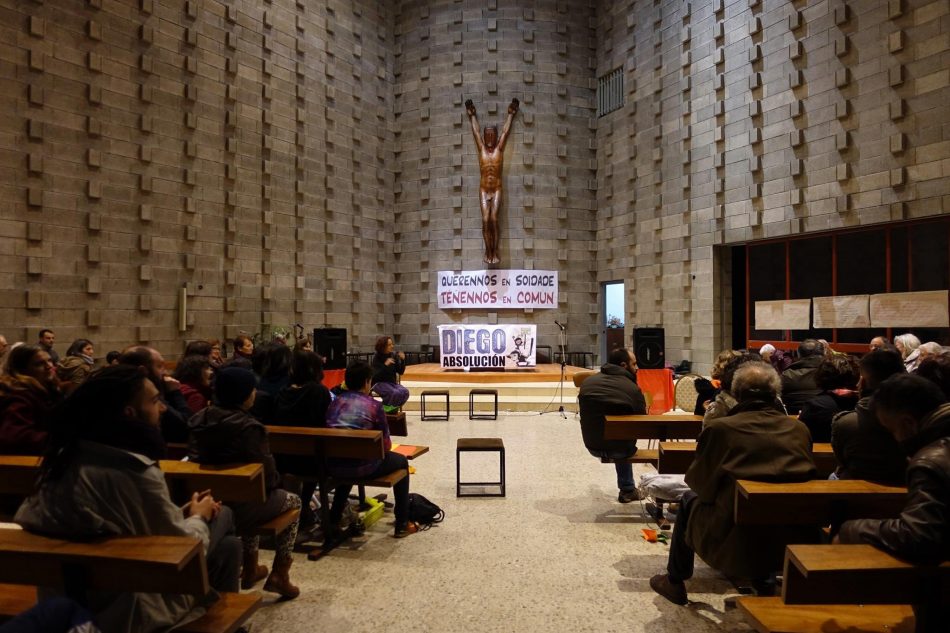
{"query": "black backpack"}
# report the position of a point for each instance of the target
(423, 511)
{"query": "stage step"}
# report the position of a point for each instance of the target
(523, 396)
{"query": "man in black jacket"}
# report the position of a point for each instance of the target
(798, 381)
(916, 412)
(865, 449)
(613, 391)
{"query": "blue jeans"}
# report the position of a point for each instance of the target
(625, 480)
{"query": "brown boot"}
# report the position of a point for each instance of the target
(251, 572)
(279, 579)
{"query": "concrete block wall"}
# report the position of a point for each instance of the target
(241, 150)
(541, 52)
(754, 119)
(287, 161)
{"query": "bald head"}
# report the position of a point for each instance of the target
(756, 380)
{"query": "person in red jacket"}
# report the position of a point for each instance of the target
(28, 394)
(194, 373)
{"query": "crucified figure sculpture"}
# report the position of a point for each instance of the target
(490, 158)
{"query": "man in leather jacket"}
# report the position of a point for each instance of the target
(916, 412)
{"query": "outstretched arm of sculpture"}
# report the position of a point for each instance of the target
(512, 111)
(476, 130)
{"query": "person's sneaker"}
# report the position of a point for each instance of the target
(626, 496)
(402, 531)
(675, 592)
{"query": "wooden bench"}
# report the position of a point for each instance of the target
(324, 444)
(642, 456)
(846, 585)
(148, 564)
(818, 502)
(397, 424)
(676, 458)
(771, 615)
(652, 427)
(240, 483)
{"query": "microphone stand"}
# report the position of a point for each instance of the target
(560, 387)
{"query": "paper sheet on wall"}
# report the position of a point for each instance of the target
(910, 309)
(783, 315)
(841, 312)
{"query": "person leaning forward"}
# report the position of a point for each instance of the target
(613, 391)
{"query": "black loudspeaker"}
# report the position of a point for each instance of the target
(330, 342)
(649, 346)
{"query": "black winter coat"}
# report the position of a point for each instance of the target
(302, 406)
(818, 412)
(231, 436)
(798, 383)
(613, 391)
(865, 449)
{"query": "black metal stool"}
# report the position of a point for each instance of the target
(479, 444)
(444, 416)
(471, 404)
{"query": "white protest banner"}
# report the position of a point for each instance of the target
(497, 289)
(481, 346)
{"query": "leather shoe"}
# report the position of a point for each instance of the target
(626, 496)
(675, 592)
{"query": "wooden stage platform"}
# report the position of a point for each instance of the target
(433, 372)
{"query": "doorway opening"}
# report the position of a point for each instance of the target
(614, 316)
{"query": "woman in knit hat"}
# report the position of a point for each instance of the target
(226, 433)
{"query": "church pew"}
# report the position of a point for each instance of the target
(818, 502)
(853, 588)
(652, 427)
(676, 458)
(157, 564)
(238, 483)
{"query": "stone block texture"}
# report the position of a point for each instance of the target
(311, 162)
(753, 120)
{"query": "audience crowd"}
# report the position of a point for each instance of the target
(102, 430)
(885, 414)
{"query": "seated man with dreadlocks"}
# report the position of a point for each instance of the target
(100, 477)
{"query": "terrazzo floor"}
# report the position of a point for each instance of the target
(558, 553)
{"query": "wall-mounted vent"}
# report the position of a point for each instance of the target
(610, 92)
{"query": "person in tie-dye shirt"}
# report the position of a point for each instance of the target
(356, 409)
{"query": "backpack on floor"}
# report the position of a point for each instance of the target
(423, 511)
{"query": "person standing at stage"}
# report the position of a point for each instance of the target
(388, 365)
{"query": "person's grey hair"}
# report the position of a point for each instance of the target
(908, 341)
(756, 380)
(930, 348)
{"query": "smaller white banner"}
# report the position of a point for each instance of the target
(481, 346)
(783, 315)
(497, 289)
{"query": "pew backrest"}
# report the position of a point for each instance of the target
(818, 502)
(859, 574)
(241, 483)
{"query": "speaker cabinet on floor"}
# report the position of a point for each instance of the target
(649, 346)
(330, 343)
